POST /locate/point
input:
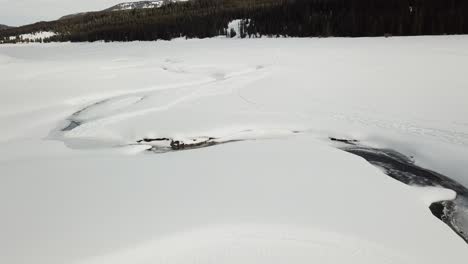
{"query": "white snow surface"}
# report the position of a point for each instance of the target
(35, 36)
(282, 194)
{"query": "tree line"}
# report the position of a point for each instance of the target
(274, 18)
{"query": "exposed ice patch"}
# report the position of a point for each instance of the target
(446, 198)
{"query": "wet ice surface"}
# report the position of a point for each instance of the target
(402, 168)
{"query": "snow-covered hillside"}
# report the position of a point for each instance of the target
(90, 172)
(142, 5)
(129, 6)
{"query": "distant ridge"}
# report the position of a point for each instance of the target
(142, 5)
(2, 27)
(129, 6)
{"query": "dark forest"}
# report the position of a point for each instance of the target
(273, 18)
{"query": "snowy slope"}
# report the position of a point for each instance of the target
(142, 5)
(78, 185)
(130, 6)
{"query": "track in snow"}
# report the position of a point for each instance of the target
(123, 106)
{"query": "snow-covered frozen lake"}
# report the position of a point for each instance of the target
(88, 171)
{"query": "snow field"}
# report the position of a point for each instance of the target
(280, 193)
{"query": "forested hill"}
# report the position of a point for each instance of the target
(131, 6)
(294, 18)
(3, 27)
